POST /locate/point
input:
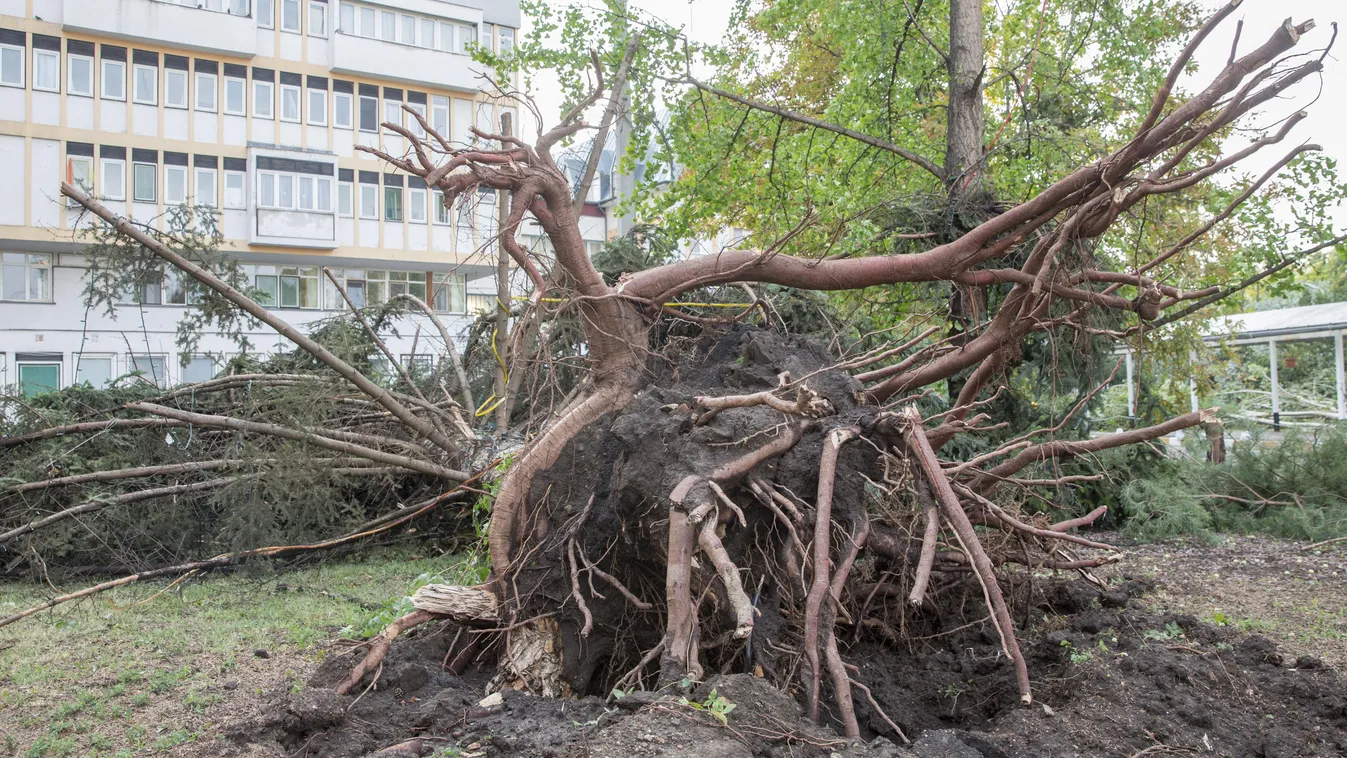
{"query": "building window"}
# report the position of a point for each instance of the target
(93, 370)
(388, 26)
(324, 194)
(369, 114)
(145, 187)
(413, 123)
(346, 21)
(152, 369)
(369, 201)
(80, 172)
(267, 285)
(506, 39)
(235, 181)
(317, 19)
(341, 110)
(262, 100)
(416, 206)
(175, 88)
(318, 107)
(285, 190)
(35, 378)
(146, 90)
(427, 33)
(114, 80)
(441, 210)
(439, 115)
(114, 178)
(420, 364)
(345, 202)
(266, 14)
(299, 286)
(289, 103)
(234, 103)
(446, 39)
(392, 203)
(451, 293)
(408, 30)
(393, 111)
(486, 37)
(25, 276)
(11, 66)
(175, 185)
(207, 90)
(266, 189)
(200, 368)
(466, 35)
(368, 23)
(47, 70)
(290, 16)
(81, 75)
(376, 287)
(205, 186)
(306, 191)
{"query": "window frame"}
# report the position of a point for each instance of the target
(104, 79)
(242, 177)
(265, 19)
(393, 112)
(422, 39)
(437, 198)
(267, 179)
(243, 96)
(403, 18)
(413, 205)
(19, 366)
(88, 161)
(321, 10)
(214, 89)
(152, 378)
(322, 194)
(53, 57)
(392, 209)
(374, 190)
(346, 206)
(502, 34)
(136, 98)
(299, 16)
(80, 359)
(176, 171)
(361, 114)
(103, 164)
(388, 26)
(368, 30)
(27, 264)
(341, 18)
(169, 75)
(310, 182)
(71, 60)
(21, 54)
(270, 100)
(198, 173)
(338, 110)
(135, 184)
(317, 114)
(299, 103)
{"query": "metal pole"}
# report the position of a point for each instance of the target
(1131, 388)
(1342, 380)
(1276, 390)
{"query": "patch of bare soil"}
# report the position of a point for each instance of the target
(1113, 678)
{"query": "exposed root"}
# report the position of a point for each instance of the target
(682, 633)
(379, 648)
(927, 559)
(729, 576)
(808, 403)
(818, 591)
(575, 590)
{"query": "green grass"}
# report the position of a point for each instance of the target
(135, 669)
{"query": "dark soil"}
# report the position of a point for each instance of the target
(1111, 679)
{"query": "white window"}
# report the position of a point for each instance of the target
(506, 39)
(465, 37)
(345, 203)
(205, 186)
(235, 181)
(285, 190)
(451, 293)
(266, 189)
(416, 206)
(94, 370)
(235, 94)
(408, 33)
(114, 178)
(486, 37)
(207, 91)
(266, 14)
(317, 19)
(427, 33)
(263, 100)
(289, 103)
(393, 111)
(306, 198)
(114, 80)
(392, 203)
(413, 123)
(388, 26)
(47, 70)
(446, 37)
(11, 66)
(346, 21)
(290, 16)
(369, 24)
(318, 107)
(146, 90)
(369, 201)
(441, 210)
(175, 88)
(145, 182)
(299, 286)
(439, 115)
(25, 276)
(81, 75)
(175, 185)
(80, 172)
(341, 110)
(324, 197)
(152, 369)
(200, 368)
(369, 114)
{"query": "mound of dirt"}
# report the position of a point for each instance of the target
(1111, 680)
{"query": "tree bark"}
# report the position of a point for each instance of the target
(964, 116)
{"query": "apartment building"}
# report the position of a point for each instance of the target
(255, 108)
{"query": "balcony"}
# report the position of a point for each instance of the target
(187, 27)
(379, 59)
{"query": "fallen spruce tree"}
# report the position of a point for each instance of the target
(738, 502)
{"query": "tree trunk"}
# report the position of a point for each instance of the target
(964, 118)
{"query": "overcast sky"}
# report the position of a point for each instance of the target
(706, 21)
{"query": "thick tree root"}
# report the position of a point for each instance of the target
(379, 648)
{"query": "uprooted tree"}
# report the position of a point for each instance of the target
(727, 492)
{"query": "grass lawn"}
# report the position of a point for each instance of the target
(144, 669)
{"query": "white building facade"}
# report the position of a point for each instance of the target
(253, 107)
